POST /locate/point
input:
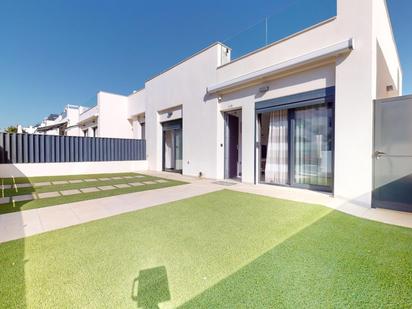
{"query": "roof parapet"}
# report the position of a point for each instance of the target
(317, 55)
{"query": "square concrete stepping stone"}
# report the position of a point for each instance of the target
(105, 188)
(121, 186)
(48, 194)
(4, 200)
(104, 179)
(25, 197)
(128, 177)
(139, 176)
(59, 182)
(76, 181)
(6, 186)
(41, 184)
(136, 184)
(23, 185)
(89, 190)
(117, 178)
(162, 180)
(70, 192)
(91, 180)
(149, 182)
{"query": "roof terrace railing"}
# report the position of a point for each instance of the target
(290, 17)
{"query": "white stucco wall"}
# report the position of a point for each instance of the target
(307, 80)
(137, 128)
(135, 110)
(73, 131)
(113, 116)
(389, 71)
(185, 85)
(355, 89)
(52, 132)
(70, 168)
(136, 103)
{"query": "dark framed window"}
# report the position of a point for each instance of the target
(296, 140)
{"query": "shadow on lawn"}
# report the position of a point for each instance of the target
(337, 261)
(12, 253)
(152, 288)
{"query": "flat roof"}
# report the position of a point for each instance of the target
(188, 58)
(240, 58)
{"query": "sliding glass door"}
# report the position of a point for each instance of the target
(296, 145)
(312, 129)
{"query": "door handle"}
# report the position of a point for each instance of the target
(379, 154)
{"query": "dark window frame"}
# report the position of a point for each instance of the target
(290, 103)
(172, 125)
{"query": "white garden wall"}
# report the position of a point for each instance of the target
(70, 168)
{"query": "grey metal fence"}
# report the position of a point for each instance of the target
(34, 148)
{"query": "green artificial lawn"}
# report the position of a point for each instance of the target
(220, 250)
(43, 202)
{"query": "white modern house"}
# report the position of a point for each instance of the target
(296, 113)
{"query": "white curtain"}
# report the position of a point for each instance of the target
(276, 169)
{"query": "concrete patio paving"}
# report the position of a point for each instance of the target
(307, 196)
(30, 222)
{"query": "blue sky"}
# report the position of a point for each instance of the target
(59, 52)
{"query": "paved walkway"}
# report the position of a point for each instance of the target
(130, 181)
(30, 222)
(381, 215)
(35, 221)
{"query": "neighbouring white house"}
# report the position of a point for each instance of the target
(28, 130)
(108, 118)
(65, 123)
